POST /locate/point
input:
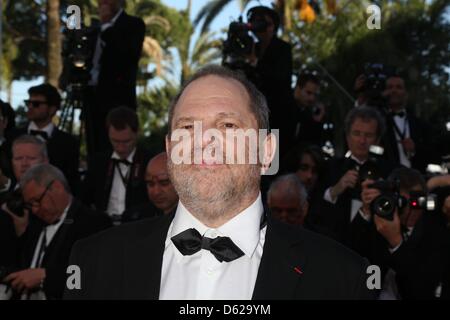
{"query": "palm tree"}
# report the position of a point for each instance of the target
(212, 9)
(54, 61)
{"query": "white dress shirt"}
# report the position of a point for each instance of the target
(403, 126)
(47, 129)
(201, 276)
(95, 70)
(117, 196)
(355, 203)
(50, 232)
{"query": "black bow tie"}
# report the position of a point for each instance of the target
(190, 241)
(40, 133)
(123, 161)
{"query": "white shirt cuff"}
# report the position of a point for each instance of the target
(395, 249)
(6, 187)
(327, 196)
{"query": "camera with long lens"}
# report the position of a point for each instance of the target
(390, 199)
(240, 43)
(15, 203)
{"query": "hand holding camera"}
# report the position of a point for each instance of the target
(348, 180)
(20, 218)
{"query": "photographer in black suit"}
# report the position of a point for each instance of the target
(341, 190)
(163, 258)
(115, 179)
(63, 148)
(412, 249)
(114, 68)
(57, 221)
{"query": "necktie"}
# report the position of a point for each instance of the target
(39, 133)
(190, 241)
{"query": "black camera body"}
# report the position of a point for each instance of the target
(15, 203)
(369, 170)
(390, 199)
(240, 43)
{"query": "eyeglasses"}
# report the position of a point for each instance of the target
(37, 203)
(34, 103)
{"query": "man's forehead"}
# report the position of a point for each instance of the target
(25, 148)
(214, 87)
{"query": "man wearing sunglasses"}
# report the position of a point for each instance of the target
(58, 221)
(63, 148)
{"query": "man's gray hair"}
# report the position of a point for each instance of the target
(43, 174)
(28, 139)
(258, 104)
(292, 187)
(366, 114)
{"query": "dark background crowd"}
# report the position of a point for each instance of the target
(379, 186)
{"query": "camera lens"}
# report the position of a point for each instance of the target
(383, 206)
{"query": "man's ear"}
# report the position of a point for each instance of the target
(269, 151)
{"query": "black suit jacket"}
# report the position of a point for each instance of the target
(119, 62)
(99, 178)
(420, 133)
(63, 152)
(80, 222)
(131, 269)
(420, 262)
(334, 219)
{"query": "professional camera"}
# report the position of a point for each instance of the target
(390, 199)
(240, 43)
(77, 54)
(15, 203)
(376, 75)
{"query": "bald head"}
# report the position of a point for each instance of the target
(287, 199)
(159, 188)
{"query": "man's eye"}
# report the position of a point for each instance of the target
(187, 126)
(229, 125)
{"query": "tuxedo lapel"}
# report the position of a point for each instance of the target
(281, 267)
(143, 262)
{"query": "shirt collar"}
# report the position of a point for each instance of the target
(61, 218)
(129, 158)
(48, 128)
(351, 156)
(110, 23)
(243, 229)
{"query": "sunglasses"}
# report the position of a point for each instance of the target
(34, 103)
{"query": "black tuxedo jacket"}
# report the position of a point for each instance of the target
(420, 262)
(126, 263)
(80, 222)
(334, 219)
(119, 62)
(63, 152)
(99, 178)
(422, 136)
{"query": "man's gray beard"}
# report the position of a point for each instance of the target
(223, 193)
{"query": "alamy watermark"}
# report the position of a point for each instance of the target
(230, 146)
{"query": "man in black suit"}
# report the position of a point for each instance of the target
(342, 187)
(114, 68)
(412, 249)
(58, 221)
(63, 148)
(408, 140)
(220, 211)
(115, 180)
(161, 193)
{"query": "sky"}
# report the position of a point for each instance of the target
(232, 11)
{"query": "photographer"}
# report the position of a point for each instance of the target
(112, 83)
(341, 190)
(409, 244)
(270, 68)
(59, 221)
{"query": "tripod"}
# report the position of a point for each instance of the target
(74, 100)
